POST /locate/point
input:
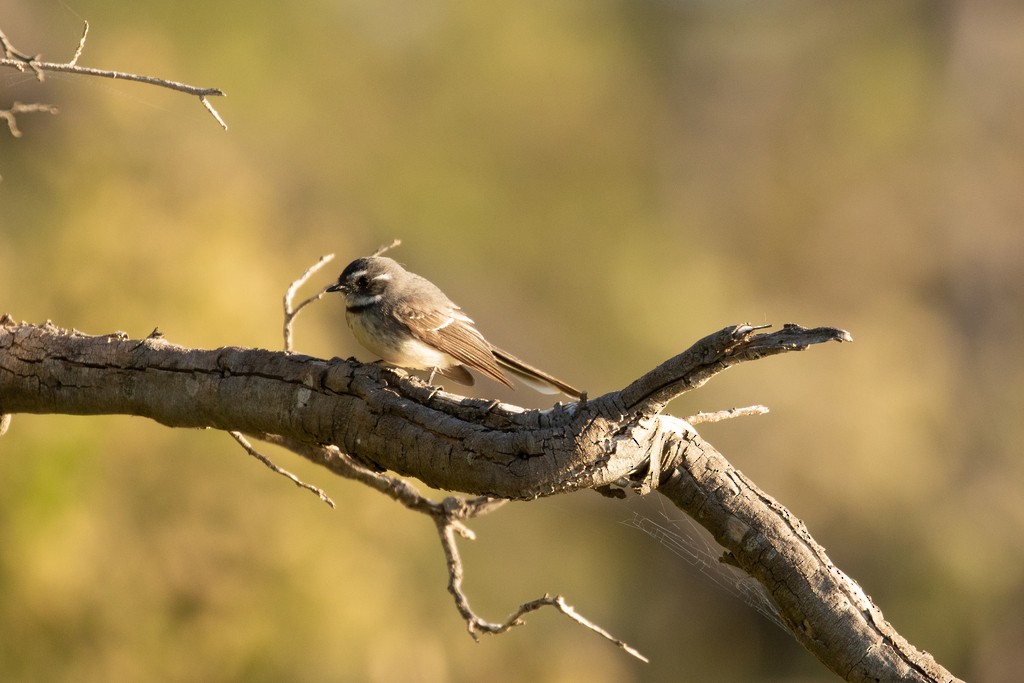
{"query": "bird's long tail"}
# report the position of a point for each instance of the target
(538, 380)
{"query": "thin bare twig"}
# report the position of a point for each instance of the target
(289, 295)
(209, 108)
(11, 52)
(475, 625)
(10, 115)
(728, 414)
(387, 247)
(19, 60)
(244, 443)
(81, 45)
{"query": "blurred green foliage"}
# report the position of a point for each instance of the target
(599, 183)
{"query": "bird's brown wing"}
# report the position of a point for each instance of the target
(451, 332)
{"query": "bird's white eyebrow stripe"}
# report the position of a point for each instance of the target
(382, 276)
(358, 273)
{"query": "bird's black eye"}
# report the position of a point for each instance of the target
(362, 282)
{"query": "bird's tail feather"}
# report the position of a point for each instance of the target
(538, 380)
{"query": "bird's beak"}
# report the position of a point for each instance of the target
(337, 287)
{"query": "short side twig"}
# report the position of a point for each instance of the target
(387, 247)
(10, 114)
(244, 443)
(728, 414)
(81, 45)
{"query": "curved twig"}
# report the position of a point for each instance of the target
(290, 310)
(10, 114)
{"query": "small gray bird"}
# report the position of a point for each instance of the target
(407, 321)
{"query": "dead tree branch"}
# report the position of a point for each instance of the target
(389, 420)
(16, 59)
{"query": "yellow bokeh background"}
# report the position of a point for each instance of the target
(598, 183)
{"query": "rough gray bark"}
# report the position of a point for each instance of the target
(383, 417)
